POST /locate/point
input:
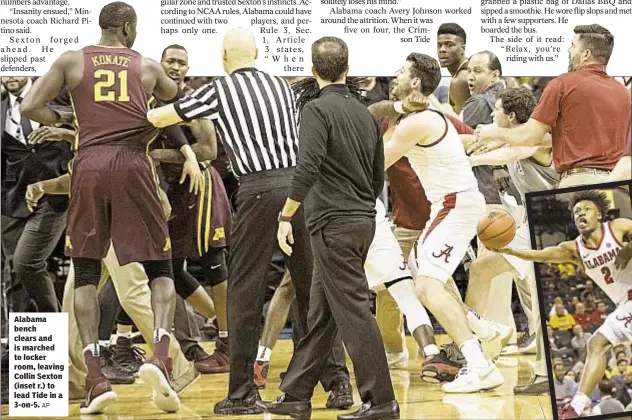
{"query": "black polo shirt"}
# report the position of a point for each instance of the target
(340, 169)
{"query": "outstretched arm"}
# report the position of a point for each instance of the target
(205, 148)
(44, 90)
(566, 252)
(622, 230)
(530, 133)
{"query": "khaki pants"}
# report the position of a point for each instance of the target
(583, 178)
(131, 284)
(389, 318)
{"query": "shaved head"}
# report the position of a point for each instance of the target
(239, 49)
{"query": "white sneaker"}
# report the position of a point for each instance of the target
(510, 349)
(163, 395)
(398, 360)
(474, 380)
(505, 331)
(530, 347)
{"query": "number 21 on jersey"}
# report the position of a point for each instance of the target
(108, 83)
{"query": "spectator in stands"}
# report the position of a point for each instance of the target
(562, 320)
(600, 315)
(581, 317)
(559, 348)
(623, 366)
(567, 268)
(557, 301)
(580, 342)
(619, 352)
(564, 384)
(588, 298)
(608, 404)
(573, 306)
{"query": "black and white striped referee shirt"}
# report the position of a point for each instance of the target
(255, 117)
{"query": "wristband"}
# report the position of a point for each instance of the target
(399, 107)
(282, 218)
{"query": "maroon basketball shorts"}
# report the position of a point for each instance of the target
(199, 222)
(114, 197)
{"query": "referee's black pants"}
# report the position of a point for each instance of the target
(340, 302)
(259, 200)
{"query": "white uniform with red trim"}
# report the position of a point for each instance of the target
(456, 203)
(385, 260)
(617, 284)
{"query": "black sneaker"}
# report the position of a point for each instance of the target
(454, 353)
(124, 353)
(248, 405)
(439, 368)
(341, 396)
(119, 374)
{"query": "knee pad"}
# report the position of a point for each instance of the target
(156, 269)
(215, 267)
(87, 272)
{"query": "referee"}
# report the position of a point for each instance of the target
(255, 117)
(339, 177)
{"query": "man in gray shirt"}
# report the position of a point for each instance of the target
(564, 386)
(608, 404)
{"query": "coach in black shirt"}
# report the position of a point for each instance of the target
(339, 175)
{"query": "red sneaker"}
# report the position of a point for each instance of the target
(261, 373)
(565, 411)
(99, 395)
(156, 372)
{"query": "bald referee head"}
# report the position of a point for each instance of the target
(239, 50)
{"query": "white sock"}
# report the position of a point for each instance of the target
(263, 354)
(480, 326)
(159, 333)
(580, 402)
(104, 343)
(405, 296)
(431, 350)
(473, 354)
(93, 348)
(223, 334)
(124, 331)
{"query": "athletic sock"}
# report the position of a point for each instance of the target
(473, 354)
(124, 330)
(161, 342)
(223, 334)
(431, 350)
(91, 355)
(104, 343)
(263, 354)
(580, 402)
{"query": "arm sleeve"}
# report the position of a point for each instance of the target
(312, 151)
(548, 108)
(176, 136)
(378, 163)
(203, 103)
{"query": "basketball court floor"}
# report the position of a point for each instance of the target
(417, 399)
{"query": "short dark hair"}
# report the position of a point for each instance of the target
(172, 47)
(494, 62)
(598, 198)
(115, 15)
(452, 29)
(606, 386)
(520, 101)
(597, 39)
(330, 56)
(427, 69)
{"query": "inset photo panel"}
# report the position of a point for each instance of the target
(582, 244)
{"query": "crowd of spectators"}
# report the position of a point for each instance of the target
(577, 308)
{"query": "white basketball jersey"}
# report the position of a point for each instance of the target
(599, 266)
(443, 167)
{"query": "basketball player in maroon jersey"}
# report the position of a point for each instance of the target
(114, 194)
(199, 225)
